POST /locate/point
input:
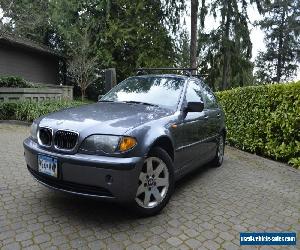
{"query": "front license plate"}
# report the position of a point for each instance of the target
(47, 165)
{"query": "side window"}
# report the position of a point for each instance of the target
(210, 101)
(193, 92)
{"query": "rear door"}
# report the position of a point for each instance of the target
(213, 112)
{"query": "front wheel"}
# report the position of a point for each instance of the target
(156, 183)
(218, 160)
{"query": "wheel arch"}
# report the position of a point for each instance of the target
(165, 143)
(224, 132)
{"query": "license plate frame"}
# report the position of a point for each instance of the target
(48, 165)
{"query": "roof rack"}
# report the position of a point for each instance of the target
(186, 71)
(200, 76)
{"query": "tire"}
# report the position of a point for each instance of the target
(219, 157)
(156, 183)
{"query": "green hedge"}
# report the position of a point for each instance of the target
(14, 82)
(28, 111)
(265, 120)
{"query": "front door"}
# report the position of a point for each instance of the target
(190, 134)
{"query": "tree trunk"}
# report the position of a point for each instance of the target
(193, 47)
(82, 94)
(226, 56)
(226, 53)
(280, 45)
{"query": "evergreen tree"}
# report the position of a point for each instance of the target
(225, 52)
(137, 37)
(28, 19)
(183, 52)
(194, 19)
(282, 28)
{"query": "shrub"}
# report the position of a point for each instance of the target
(264, 120)
(28, 111)
(14, 82)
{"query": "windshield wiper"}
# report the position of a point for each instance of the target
(143, 103)
(105, 101)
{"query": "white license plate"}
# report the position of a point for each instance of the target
(47, 165)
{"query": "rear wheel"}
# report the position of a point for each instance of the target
(218, 160)
(156, 183)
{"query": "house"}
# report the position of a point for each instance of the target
(31, 61)
(35, 63)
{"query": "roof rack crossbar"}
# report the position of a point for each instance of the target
(187, 71)
(166, 68)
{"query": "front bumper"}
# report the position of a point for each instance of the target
(89, 175)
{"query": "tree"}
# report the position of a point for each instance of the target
(125, 35)
(225, 52)
(183, 53)
(28, 19)
(136, 37)
(194, 17)
(281, 25)
(82, 67)
(3, 26)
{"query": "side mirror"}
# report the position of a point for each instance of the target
(194, 107)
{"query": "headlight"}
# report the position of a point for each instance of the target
(107, 144)
(33, 131)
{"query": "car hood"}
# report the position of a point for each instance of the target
(103, 118)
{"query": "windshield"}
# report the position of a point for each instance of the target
(161, 91)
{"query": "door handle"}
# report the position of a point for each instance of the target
(206, 117)
(218, 115)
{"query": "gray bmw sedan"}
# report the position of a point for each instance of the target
(133, 144)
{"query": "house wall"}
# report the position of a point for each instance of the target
(28, 64)
(36, 94)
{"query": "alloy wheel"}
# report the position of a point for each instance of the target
(153, 183)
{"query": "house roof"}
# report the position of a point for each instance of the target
(28, 44)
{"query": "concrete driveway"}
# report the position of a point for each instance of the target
(207, 211)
